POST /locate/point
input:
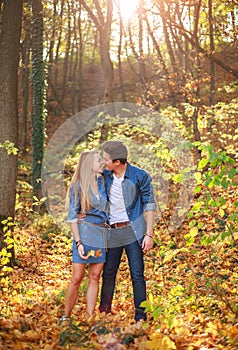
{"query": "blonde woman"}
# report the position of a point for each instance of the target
(86, 194)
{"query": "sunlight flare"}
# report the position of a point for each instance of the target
(128, 8)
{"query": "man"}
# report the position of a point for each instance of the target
(130, 194)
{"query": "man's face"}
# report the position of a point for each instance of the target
(109, 165)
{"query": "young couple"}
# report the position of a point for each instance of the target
(113, 200)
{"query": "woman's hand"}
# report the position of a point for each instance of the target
(81, 252)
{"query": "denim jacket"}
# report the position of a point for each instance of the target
(97, 214)
(138, 196)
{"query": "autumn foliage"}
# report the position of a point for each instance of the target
(191, 278)
(177, 58)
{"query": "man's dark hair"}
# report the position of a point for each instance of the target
(116, 149)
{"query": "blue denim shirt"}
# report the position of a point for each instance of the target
(138, 196)
(97, 214)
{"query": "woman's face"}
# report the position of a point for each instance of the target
(97, 163)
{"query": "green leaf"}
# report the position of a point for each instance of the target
(225, 234)
(197, 189)
(210, 184)
(225, 184)
(202, 163)
(231, 173)
(200, 224)
(178, 178)
(192, 223)
(234, 216)
(229, 160)
(197, 206)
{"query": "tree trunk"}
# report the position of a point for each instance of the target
(80, 66)
(25, 73)
(56, 60)
(120, 71)
(38, 96)
(66, 56)
(142, 74)
(164, 16)
(105, 35)
(212, 50)
(196, 132)
(50, 93)
(10, 31)
(104, 28)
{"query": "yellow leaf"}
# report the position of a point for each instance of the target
(234, 275)
(193, 231)
(225, 286)
(31, 335)
(21, 346)
(17, 333)
(123, 299)
(160, 342)
(50, 346)
(198, 176)
(221, 212)
(151, 297)
(177, 324)
(90, 253)
(212, 328)
(168, 257)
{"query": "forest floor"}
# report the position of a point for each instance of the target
(192, 296)
(192, 286)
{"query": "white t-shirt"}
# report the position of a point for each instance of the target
(117, 206)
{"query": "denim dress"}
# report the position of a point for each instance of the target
(93, 229)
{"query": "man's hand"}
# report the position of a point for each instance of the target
(147, 243)
(81, 216)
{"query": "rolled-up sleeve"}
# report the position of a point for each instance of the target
(147, 192)
(74, 205)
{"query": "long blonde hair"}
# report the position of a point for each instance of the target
(82, 179)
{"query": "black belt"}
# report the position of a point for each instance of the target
(121, 224)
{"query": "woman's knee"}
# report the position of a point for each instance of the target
(94, 275)
(76, 280)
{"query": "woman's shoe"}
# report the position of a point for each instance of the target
(64, 318)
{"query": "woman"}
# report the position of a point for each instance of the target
(87, 194)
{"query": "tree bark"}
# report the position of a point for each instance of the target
(80, 67)
(67, 55)
(25, 74)
(212, 51)
(142, 74)
(120, 70)
(104, 28)
(10, 31)
(38, 96)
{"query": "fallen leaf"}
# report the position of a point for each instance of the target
(98, 253)
(90, 253)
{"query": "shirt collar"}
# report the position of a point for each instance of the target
(127, 173)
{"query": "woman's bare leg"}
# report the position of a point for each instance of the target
(94, 274)
(72, 292)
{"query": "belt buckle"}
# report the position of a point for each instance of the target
(121, 224)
